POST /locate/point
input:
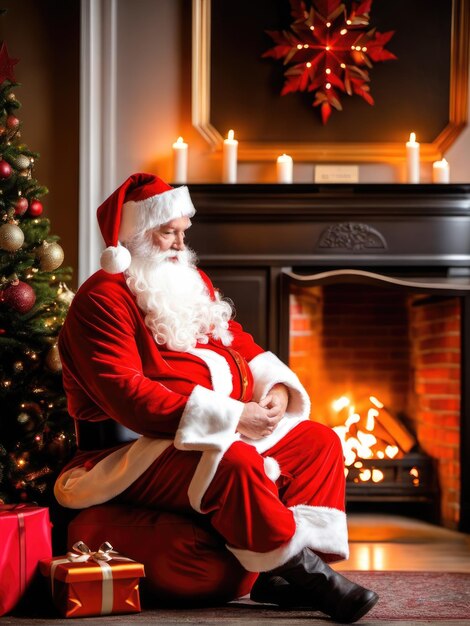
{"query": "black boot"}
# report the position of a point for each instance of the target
(313, 584)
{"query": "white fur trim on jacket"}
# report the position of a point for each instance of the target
(321, 529)
(221, 376)
(209, 421)
(268, 371)
(78, 488)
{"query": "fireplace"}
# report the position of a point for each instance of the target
(295, 258)
(381, 359)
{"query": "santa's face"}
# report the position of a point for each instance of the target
(171, 236)
(170, 291)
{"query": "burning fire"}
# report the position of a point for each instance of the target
(372, 432)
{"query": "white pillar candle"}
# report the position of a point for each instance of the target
(284, 168)
(412, 159)
(440, 172)
(180, 161)
(229, 159)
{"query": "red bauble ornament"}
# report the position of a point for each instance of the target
(35, 208)
(20, 297)
(12, 122)
(5, 169)
(21, 206)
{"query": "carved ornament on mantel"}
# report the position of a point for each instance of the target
(352, 236)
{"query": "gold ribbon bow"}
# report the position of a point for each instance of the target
(83, 553)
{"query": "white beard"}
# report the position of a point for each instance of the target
(175, 300)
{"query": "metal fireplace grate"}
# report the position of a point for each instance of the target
(412, 478)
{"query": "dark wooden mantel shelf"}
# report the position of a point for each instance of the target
(283, 201)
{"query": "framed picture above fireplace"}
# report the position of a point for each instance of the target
(424, 90)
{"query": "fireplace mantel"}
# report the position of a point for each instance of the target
(301, 200)
(332, 225)
(246, 235)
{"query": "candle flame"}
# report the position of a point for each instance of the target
(230, 134)
(412, 137)
(179, 140)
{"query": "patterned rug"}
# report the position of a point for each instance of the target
(417, 595)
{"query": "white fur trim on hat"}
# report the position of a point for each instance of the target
(115, 259)
(140, 216)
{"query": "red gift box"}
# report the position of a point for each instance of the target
(25, 532)
(86, 583)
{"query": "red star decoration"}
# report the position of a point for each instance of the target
(6, 65)
(328, 51)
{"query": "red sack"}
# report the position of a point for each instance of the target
(25, 539)
(185, 562)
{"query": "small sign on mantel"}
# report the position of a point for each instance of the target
(336, 173)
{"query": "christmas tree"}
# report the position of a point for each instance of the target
(35, 430)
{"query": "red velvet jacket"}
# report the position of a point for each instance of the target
(112, 367)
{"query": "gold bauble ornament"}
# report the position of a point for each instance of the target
(50, 256)
(11, 237)
(53, 361)
(64, 294)
(21, 162)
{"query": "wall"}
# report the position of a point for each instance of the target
(154, 104)
(44, 35)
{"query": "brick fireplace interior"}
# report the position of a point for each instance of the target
(353, 341)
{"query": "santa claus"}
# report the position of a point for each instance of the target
(177, 408)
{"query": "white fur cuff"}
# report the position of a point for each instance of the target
(209, 421)
(268, 371)
(319, 528)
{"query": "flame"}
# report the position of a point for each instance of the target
(354, 418)
(340, 403)
(371, 415)
(363, 437)
(376, 402)
(415, 474)
(377, 476)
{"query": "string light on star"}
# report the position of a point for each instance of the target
(324, 35)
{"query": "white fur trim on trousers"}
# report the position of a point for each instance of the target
(321, 529)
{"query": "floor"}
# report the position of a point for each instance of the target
(377, 542)
(386, 542)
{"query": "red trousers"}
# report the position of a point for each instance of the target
(248, 509)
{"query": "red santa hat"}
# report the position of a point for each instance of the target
(142, 202)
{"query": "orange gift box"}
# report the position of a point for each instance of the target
(86, 583)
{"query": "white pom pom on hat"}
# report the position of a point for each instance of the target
(142, 202)
(115, 259)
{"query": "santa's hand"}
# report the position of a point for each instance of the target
(276, 402)
(255, 421)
